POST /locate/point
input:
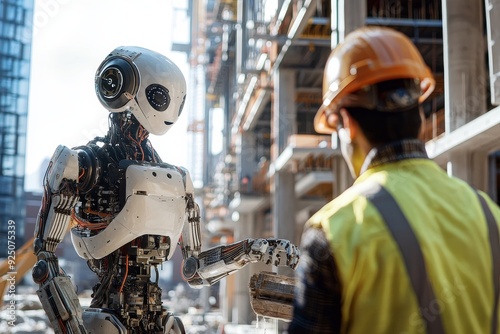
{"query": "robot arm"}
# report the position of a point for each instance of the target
(58, 199)
(56, 292)
(208, 267)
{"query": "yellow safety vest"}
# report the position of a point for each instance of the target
(450, 228)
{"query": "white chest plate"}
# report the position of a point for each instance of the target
(155, 204)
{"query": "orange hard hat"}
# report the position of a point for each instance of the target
(367, 56)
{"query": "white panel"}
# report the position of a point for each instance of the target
(481, 134)
(493, 28)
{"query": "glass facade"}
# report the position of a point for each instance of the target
(16, 25)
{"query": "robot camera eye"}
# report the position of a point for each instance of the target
(158, 97)
(111, 82)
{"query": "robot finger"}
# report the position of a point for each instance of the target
(259, 246)
(293, 258)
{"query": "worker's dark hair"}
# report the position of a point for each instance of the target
(385, 127)
(382, 127)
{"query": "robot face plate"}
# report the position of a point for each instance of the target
(147, 83)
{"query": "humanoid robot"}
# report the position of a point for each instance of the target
(127, 209)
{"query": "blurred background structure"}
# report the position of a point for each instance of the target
(255, 84)
(16, 21)
(264, 64)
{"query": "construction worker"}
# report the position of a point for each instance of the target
(407, 248)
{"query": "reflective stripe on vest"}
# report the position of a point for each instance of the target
(408, 245)
(413, 258)
(495, 255)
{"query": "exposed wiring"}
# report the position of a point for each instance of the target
(81, 174)
(100, 214)
(86, 224)
(62, 325)
(126, 274)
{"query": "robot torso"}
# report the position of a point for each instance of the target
(154, 203)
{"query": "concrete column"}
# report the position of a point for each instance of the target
(283, 189)
(284, 110)
(347, 15)
(226, 300)
(465, 73)
(471, 167)
(480, 170)
(242, 313)
(465, 80)
(241, 309)
(284, 211)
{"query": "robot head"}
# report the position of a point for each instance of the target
(144, 82)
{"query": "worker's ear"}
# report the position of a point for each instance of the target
(349, 123)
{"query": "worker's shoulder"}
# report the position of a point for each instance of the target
(349, 207)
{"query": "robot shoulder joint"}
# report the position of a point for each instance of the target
(62, 165)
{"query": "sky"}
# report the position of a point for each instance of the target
(70, 40)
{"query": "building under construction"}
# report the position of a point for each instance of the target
(264, 63)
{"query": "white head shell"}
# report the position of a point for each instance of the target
(144, 82)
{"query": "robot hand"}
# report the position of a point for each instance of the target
(211, 265)
(278, 252)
